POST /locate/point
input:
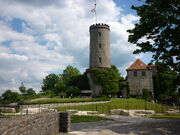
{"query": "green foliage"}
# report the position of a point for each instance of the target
(146, 94)
(69, 73)
(60, 86)
(108, 79)
(81, 81)
(49, 82)
(22, 89)
(73, 91)
(30, 91)
(159, 24)
(57, 85)
(65, 100)
(9, 97)
(166, 81)
(78, 119)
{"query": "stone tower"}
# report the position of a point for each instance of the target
(99, 54)
(99, 46)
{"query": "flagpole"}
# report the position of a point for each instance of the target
(95, 12)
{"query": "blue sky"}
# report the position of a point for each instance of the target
(38, 37)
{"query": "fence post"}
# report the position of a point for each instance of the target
(127, 106)
(102, 109)
(145, 106)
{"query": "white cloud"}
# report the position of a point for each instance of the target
(56, 34)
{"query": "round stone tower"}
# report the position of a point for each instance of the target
(99, 46)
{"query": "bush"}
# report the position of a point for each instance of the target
(147, 95)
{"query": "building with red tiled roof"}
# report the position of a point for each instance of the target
(140, 76)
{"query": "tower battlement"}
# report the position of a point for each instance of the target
(99, 25)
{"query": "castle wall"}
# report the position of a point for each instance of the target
(137, 83)
(38, 124)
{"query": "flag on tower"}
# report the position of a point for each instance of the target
(93, 10)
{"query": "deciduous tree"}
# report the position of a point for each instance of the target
(158, 31)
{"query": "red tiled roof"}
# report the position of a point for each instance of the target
(138, 64)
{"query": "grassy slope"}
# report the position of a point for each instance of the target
(78, 119)
(165, 116)
(66, 100)
(119, 104)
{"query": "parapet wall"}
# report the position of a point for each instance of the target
(99, 25)
(38, 124)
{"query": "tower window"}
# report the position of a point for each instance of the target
(99, 59)
(99, 33)
(143, 73)
(135, 74)
(99, 45)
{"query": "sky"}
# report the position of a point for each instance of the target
(39, 37)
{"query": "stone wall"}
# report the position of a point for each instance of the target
(39, 124)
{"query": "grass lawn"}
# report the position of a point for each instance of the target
(116, 103)
(8, 116)
(65, 100)
(165, 116)
(83, 118)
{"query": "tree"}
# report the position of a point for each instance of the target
(60, 87)
(146, 94)
(81, 81)
(159, 26)
(167, 81)
(9, 97)
(22, 89)
(49, 82)
(73, 91)
(108, 79)
(30, 91)
(69, 74)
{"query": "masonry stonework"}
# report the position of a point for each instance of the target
(140, 76)
(38, 124)
(99, 46)
(99, 53)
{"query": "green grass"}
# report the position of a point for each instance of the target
(83, 118)
(66, 100)
(115, 103)
(8, 116)
(165, 116)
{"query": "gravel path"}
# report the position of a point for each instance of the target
(125, 125)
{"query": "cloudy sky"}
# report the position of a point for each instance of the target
(38, 37)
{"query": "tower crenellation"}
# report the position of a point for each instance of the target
(99, 25)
